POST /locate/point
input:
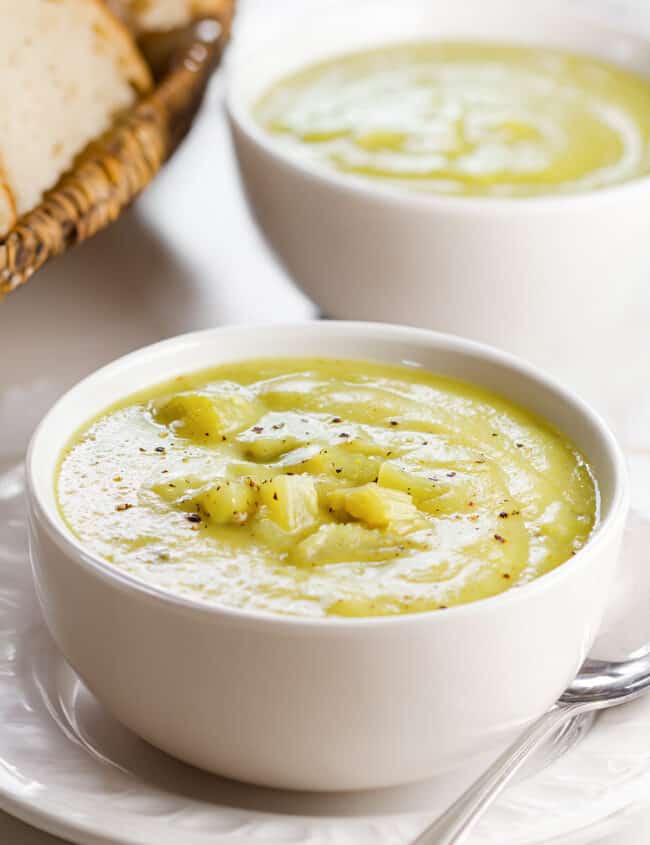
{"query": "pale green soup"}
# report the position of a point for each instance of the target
(326, 487)
(467, 118)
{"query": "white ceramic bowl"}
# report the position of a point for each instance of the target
(320, 704)
(561, 281)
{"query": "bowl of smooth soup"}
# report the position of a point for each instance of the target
(329, 564)
(477, 168)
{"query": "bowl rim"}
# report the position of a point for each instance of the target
(240, 118)
(43, 516)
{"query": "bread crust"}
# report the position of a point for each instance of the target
(111, 41)
(137, 69)
(7, 204)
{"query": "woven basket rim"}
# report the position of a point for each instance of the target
(114, 169)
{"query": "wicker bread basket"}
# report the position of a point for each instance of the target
(113, 170)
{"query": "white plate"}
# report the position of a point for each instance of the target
(67, 767)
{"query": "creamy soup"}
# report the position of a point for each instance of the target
(324, 487)
(467, 118)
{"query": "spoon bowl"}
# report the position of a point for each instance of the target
(599, 685)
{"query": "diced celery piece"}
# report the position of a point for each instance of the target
(333, 505)
(484, 489)
(278, 434)
(379, 506)
(341, 462)
(335, 497)
(206, 416)
(250, 469)
(178, 489)
(228, 501)
(267, 448)
(304, 459)
(316, 462)
(443, 491)
(421, 484)
(341, 543)
(269, 535)
(292, 501)
(355, 468)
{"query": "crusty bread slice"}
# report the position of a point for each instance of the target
(67, 68)
(163, 15)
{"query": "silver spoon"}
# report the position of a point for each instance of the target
(600, 684)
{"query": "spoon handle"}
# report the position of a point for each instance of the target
(456, 822)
